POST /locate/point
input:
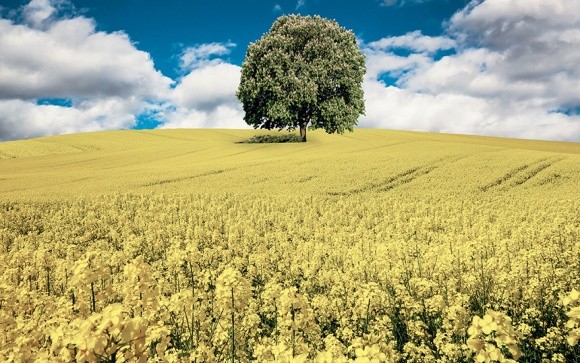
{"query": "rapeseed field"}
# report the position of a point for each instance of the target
(372, 246)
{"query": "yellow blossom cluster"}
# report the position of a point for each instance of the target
(572, 302)
(490, 334)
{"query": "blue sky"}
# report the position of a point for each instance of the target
(490, 67)
(164, 30)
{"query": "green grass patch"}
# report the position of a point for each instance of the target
(271, 139)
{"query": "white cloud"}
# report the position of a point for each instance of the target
(414, 41)
(379, 62)
(37, 11)
(223, 116)
(398, 108)
(206, 96)
(71, 59)
(107, 78)
(501, 24)
(207, 87)
(203, 54)
(537, 39)
(21, 119)
(515, 65)
(381, 55)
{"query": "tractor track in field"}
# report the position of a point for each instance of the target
(154, 135)
(189, 177)
(412, 174)
(381, 147)
(156, 159)
(520, 175)
(4, 155)
(199, 175)
(402, 178)
(77, 147)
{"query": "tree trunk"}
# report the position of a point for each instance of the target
(303, 131)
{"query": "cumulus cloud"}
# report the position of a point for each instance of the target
(513, 73)
(398, 108)
(206, 95)
(106, 78)
(71, 59)
(204, 54)
(21, 119)
(414, 41)
(207, 87)
(222, 116)
(382, 57)
(38, 11)
(506, 24)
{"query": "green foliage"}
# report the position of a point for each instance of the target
(304, 70)
(271, 139)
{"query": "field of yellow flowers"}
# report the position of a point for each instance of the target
(372, 246)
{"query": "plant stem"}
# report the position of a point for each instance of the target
(93, 302)
(367, 317)
(233, 340)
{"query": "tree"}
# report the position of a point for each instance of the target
(305, 70)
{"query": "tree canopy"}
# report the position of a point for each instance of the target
(306, 70)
